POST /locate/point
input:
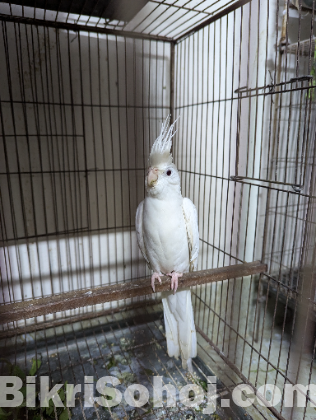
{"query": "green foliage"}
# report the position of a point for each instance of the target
(4, 415)
(49, 412)
(17, 371)
(111, 363)
(149, 372)
(36, 364)
(203, 385)
(64, 415)
(34, 413)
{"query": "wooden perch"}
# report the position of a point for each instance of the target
(76, 299)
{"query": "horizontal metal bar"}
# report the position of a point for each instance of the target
(238, 372)
(77, 28)
(66, 171)
(212, 19)
(271, 87)
(222, 251)
(244, 339)
(256, 95)
(288, 296)
(36, 135)
(84, 230)
(302, 48)
(76, 318)
(93, 296)
(222, 178)
(80, 104)
(237, 178)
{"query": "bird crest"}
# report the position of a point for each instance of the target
(160, 152)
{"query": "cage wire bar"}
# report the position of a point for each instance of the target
(84, 90)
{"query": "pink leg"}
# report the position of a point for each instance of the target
(153, 278)
(174, 280)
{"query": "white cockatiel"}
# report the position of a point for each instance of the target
(168, 237)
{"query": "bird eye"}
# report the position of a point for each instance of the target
(168, 172)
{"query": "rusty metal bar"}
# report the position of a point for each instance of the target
(213, 19)
(172, 81)
(85, 28)
(76, 318)
(239, 373)
(142, 287)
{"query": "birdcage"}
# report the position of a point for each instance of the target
(85, 87)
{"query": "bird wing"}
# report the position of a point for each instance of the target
(139, 230)
(191, 222)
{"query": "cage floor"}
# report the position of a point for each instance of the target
(131, 349)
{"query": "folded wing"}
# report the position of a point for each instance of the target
(191, 222)
(139, 230)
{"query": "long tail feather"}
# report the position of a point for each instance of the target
(179, 325)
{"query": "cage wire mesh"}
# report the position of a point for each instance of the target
(84, 89)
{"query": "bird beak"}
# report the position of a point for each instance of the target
(152, 177)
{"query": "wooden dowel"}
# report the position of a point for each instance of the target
(77, 299)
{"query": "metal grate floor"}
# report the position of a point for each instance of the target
(132, 349)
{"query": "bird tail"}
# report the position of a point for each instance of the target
(179, 326)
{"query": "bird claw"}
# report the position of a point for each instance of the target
(153, 278)
(174, 280)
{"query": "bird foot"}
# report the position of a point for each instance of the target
(153, 278)
(174, 280)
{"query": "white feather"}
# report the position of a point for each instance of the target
(160, 151)
(191, 219)
(179, 325)
(164, 235)
(139, 230)
(168, 237)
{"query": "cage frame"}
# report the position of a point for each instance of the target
(190, 279)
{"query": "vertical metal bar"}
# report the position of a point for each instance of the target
(172, 81)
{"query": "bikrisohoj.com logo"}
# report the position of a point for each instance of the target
(13, 393)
